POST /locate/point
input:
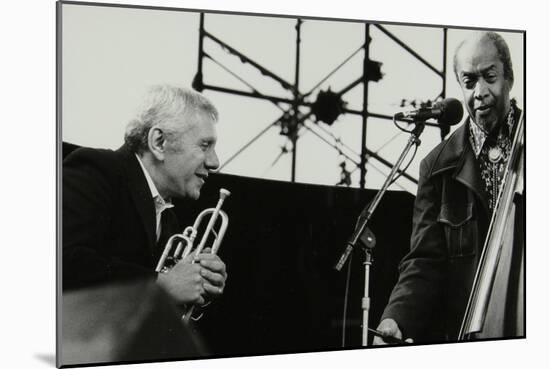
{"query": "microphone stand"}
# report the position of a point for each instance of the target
(364, 234)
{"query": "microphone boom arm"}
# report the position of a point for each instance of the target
(369, 211)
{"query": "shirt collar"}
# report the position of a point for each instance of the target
(160, 203)
(478, 135)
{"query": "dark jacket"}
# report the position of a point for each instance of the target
(450, 222)
(108, 219)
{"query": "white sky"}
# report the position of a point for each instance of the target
(110, 55)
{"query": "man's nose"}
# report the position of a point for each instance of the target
(212, 162)
(481, 90)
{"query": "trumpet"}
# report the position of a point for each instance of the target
(190, 233)
(188, 237)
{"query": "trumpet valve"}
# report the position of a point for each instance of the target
(169, 263)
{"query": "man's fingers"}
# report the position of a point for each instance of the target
(388, 331)
(214, 278)
(388, 328)
(213, 290)
(199, 300)
(215, 266)
(378, 341)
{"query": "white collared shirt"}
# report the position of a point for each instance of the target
(160, 203)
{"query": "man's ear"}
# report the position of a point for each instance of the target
(156, 140)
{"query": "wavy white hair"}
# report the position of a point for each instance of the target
(164, 106)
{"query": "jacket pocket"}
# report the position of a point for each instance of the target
(460, 226)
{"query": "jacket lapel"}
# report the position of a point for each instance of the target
(459, 156)
(467, 173)
(141, 194)
(169, 227)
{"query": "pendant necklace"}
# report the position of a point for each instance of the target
(495, 154)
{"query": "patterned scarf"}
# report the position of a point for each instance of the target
(493, 151)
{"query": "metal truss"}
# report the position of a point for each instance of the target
(292, 120)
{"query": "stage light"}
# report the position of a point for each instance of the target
(373, 71)
(328, 106)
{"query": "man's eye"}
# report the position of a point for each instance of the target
(468, 82)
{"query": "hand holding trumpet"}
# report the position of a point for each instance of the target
(195, 273)
(194, 283)
(213, 273)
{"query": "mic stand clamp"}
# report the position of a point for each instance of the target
(364, 234)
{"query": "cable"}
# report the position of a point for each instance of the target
(284, 151)
(399, 127)
(380, 171)
(232, 73)
(232, 157)
(399, 174)
(346, 293)
(331, 145)
(387, 143)
(334, 71)
(337, 139)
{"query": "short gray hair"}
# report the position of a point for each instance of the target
(502, 50)
(164, 106)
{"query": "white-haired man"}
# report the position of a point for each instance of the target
(116, 214)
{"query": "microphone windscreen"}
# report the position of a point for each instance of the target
(451, 111)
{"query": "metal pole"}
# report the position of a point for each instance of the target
(201, 40)
(296, 104)
(198, 83)
(408, 49)
(443, 93)
(444, 129)
(365, 303)
(365, 107)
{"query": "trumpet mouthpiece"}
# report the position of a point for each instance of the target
(224, 193)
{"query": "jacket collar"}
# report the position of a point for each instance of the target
(141, 194)
(457, 156)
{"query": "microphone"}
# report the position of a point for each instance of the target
(448, 112)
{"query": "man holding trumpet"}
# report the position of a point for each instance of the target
(116, 215)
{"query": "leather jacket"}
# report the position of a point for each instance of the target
(450, 222)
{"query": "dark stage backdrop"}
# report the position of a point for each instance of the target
(282, 293)
(283, 241)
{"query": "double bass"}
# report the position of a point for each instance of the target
(487, 288)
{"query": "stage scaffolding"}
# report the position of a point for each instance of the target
(328, 105)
